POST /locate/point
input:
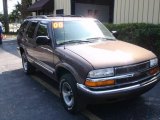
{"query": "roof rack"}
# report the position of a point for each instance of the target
(38, 16)
(61, 15)
(52, 15)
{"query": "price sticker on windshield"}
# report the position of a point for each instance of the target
(57, 25)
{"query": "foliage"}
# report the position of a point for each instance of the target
(16, 13)
(25, 5)
(1, 17)
(144, 35)
(20, 11)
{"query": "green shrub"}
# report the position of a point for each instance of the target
(144, 35)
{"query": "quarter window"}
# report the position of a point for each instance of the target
(31, 29)
(23, 26)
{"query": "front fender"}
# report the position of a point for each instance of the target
(70, 69)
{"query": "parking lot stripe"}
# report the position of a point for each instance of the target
(86, 113)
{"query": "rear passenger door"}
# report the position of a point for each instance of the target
(21, 33)
(44, 53)
(30, 40)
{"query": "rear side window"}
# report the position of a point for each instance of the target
(42, 30)
(31, 29)
(23, 26)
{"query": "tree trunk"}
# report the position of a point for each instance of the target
(6, 20)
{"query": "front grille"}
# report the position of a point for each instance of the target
(140, 72)
(132, 68)
(132, 79)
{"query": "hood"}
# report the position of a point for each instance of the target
(111, 53)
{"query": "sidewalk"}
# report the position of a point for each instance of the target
(9, 61)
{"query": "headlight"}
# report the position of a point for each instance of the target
(101, 73)
(153, 62)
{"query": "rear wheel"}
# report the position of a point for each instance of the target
(27, 67)
(68, 93)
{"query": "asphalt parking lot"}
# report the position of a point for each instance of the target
(35, 97)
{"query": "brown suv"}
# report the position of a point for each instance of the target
(86, 60)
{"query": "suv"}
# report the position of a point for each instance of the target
(87, 61)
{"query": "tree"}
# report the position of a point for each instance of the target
(1, 17)
(20, 11)
(25, 5)
(16, 13)
(5, 9)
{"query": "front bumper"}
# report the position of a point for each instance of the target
(119, 92)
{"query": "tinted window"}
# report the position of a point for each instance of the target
(42, 30)
(31, 29)
(23, 26)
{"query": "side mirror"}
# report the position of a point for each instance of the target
(18, 31)
(115, 33)
(43, 40)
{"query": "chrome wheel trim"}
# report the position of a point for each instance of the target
(25, 64)
(67, 94)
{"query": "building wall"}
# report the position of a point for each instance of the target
(137, 11)
(63, 4)
(33, 13)
(100, 12)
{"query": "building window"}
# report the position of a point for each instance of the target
(60, 11)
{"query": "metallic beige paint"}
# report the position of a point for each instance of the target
(111, 53)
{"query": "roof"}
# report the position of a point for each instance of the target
(58, 18)
(41, 5)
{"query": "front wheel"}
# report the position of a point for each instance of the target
(68, 93)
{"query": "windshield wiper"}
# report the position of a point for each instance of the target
(101, 38)
(73, 41)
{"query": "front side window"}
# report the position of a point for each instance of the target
(42, 30)
(80, 30)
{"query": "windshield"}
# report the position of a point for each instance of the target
(80, 30)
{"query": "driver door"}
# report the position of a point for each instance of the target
(44, 53)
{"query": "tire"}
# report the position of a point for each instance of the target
(27, 67)
(0, 41)
(68, 94)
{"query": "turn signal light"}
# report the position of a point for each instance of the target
(99, 83)
(154, 71)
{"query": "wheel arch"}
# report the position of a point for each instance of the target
(21, 50)
(64, 68)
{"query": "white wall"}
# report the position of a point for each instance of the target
(63, 4)
(101, 10)
(33, 13)
(137, 11)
